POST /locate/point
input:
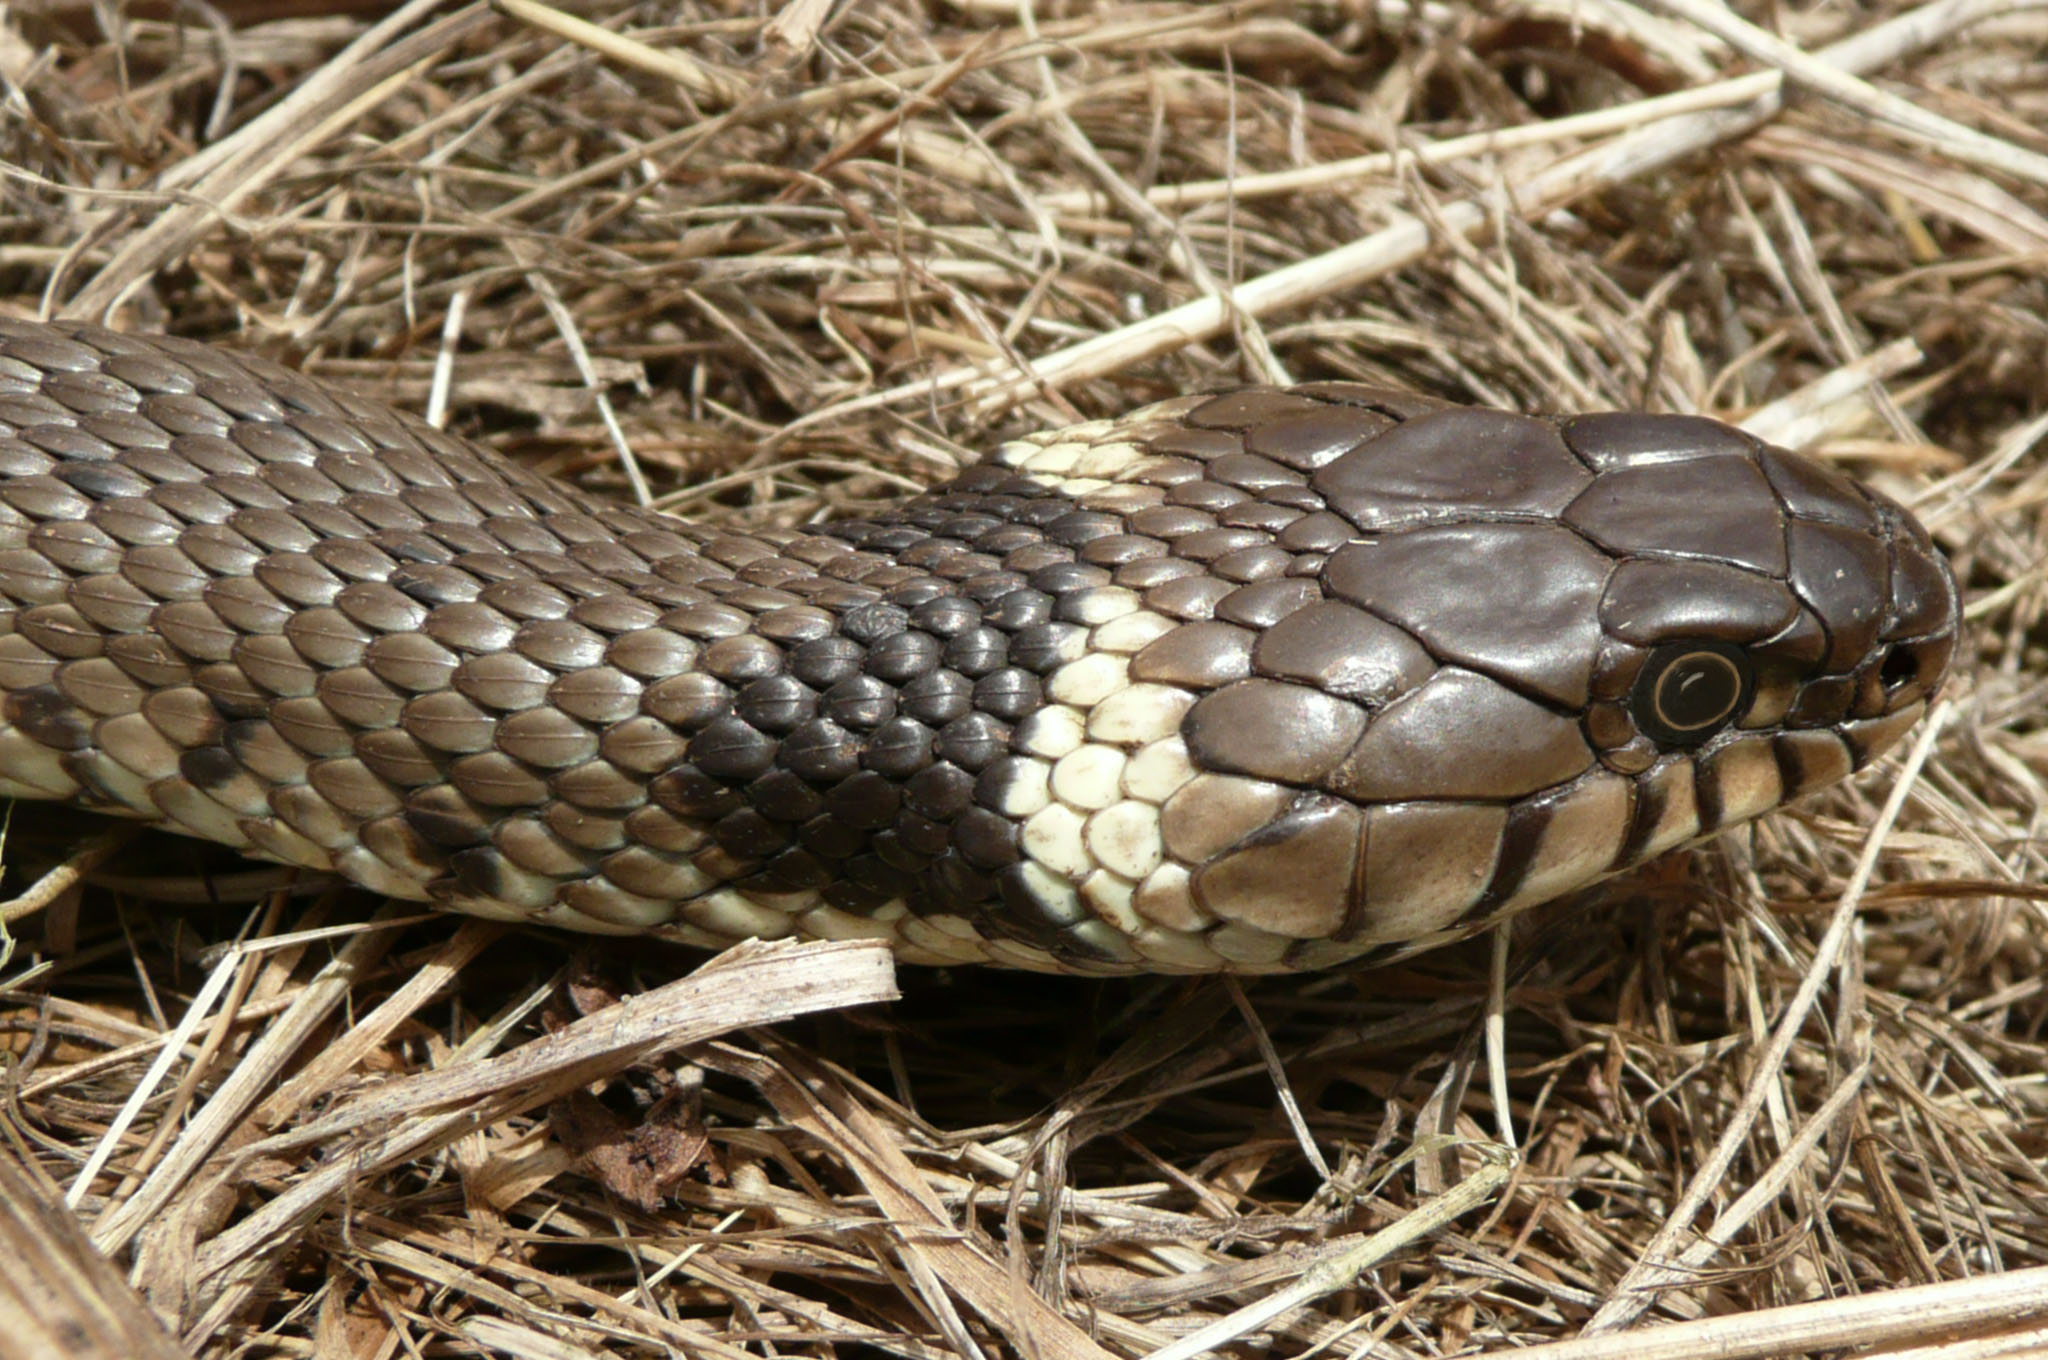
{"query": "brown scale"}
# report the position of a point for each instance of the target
(1425, 645)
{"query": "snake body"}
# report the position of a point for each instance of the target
(1263, 681)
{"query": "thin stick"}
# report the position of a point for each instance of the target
(1283, 1089)
(1334, 176)
(66, 876)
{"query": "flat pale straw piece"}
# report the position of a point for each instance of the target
(1920, 1313)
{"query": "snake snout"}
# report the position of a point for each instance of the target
(1925, 618)
(1885, 599)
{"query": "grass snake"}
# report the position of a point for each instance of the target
(1269, 680)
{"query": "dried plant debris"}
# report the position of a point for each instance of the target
(768, 262)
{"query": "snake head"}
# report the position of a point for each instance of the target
(1787, 600)
(1506, 657)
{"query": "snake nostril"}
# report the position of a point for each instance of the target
(1899, 668)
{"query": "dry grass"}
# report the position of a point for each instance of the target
(799, 256)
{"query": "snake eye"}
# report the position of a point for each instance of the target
(1688, 691)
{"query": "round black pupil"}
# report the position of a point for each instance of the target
(1697, 690)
